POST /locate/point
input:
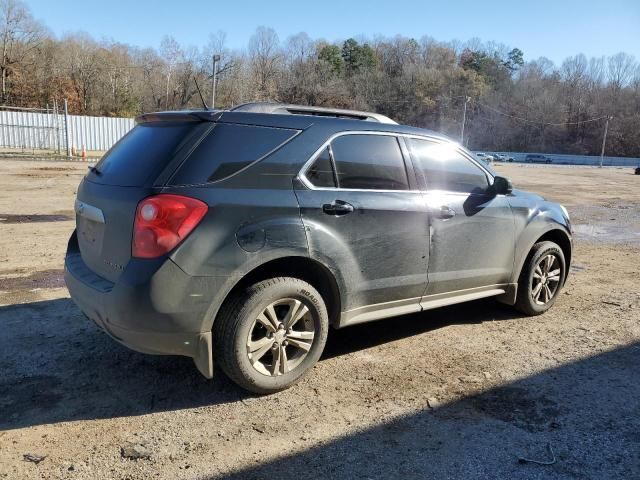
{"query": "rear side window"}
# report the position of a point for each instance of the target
(445, 168)
(371, 162)
(320, 173)
(141, 154)
(227, 149)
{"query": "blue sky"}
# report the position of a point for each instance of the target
(555, 29)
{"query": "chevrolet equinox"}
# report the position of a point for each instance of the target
(243, 235)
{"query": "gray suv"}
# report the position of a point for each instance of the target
(243, 235)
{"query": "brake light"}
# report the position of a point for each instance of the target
(162, 222)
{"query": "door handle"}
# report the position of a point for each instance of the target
(337, 208)
(446, 212)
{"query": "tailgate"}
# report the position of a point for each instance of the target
(109, 195)
(104, 224)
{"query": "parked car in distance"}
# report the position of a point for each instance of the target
(537, 158)
(242, 236)
(501, 157)
(485, 157)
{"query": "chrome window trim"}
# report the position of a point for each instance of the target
(307, 183)
(302, 174)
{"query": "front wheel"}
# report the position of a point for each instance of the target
(541, 279)
(270, 335)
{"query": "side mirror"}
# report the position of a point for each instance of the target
(501, 186)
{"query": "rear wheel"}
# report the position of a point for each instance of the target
(541, 279)
(267, 337)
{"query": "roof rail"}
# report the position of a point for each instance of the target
(282, 108)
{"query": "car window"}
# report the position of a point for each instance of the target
(320, 173)
(141, 154)
(445, 168)
(371, 162)
(227, 149)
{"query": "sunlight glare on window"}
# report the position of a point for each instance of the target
(436, 151)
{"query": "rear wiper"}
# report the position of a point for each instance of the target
(95, 170)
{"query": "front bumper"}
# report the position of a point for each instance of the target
(148, 309)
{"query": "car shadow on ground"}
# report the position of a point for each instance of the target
(57, 366)
(359, 337)
(583, 418)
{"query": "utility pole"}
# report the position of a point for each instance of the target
(604, 139)
(464, 119)
(56, 127)
(66, 129)
(216, 59)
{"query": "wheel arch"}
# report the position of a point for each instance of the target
(303, 268)
(557, 236)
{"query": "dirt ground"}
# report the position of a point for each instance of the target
(458, 392)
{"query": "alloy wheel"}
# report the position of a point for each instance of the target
(546, 279)
(280, 337)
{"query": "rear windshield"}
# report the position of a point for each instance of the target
(227, 149)
(141, 154)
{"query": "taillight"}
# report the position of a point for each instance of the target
(162, 222)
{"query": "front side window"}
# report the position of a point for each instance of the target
(370, 162)
(445, 168)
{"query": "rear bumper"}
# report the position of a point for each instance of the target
(153, 308)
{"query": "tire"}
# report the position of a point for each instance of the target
(528, 299)
(246, 323)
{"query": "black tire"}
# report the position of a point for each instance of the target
(238, 319)
(525, 301)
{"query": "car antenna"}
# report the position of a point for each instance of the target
(206, 107)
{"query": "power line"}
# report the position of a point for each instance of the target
(439, 98)
(534, 122)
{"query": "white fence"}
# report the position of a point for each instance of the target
(97, 133)
(49, 129)
(46, 130)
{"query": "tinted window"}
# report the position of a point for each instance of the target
(141, 154)
(320, 174)
(445, 168)
(227, 149)
(369, 162)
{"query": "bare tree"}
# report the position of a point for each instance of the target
(300, 56)
(265, 59)
(621, 67)
(81, 60)
(149, 75)
(299, 49)
(516, 104)
(227, 62)
(171, 53)
(596, 71)
(20, 35)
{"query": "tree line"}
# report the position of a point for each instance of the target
(512, 104)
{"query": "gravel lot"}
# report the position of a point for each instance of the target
(459, 392)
